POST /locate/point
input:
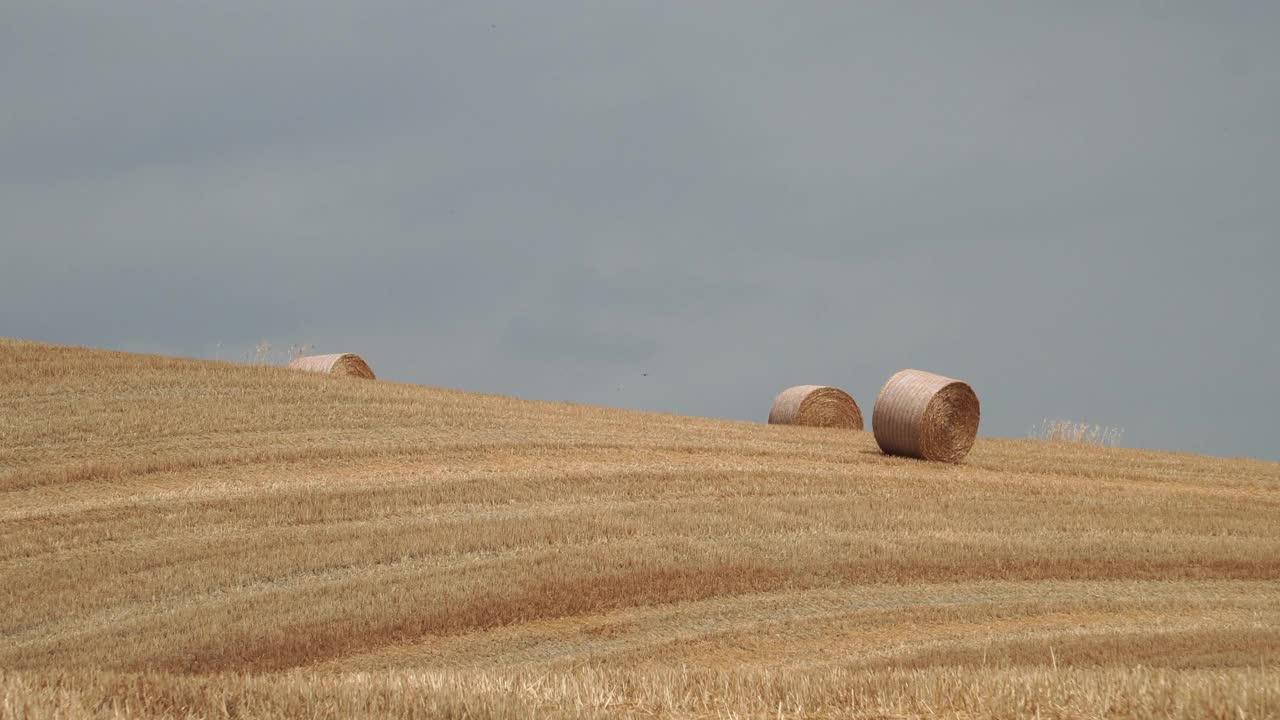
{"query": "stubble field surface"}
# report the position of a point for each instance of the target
(182, 538)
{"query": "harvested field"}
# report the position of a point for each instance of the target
(181, 537)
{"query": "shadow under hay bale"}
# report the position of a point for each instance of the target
(816, 406)
(348, 364)
(927, 416)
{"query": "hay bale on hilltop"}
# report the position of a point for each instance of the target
(817, 406)
(927, 416)
(348, 364)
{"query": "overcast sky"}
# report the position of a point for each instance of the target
(1075, 209)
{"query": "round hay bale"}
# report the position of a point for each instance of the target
(816, 405)
(926, 416)
(340, 364)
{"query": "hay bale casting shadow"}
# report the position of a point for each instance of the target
(927, 416)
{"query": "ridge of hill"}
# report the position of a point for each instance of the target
(183, 532)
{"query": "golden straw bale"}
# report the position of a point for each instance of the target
(816, 405)
(339, 364)
(927, 416)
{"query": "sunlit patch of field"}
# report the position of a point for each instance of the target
(183, 538)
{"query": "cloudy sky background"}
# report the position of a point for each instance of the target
(1076, 209)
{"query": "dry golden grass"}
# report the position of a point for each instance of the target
(196, 539)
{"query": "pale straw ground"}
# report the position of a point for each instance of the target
(197, 539)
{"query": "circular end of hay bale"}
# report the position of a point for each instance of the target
(348, 364)
(352, 365)
(951, 423)
(922, 415)
(816, 406)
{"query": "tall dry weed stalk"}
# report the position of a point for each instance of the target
(259, 355)
(297, 350)
(264, 353)
(1060, 430)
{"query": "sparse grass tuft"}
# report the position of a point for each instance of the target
(1060, 430)
(264, 353)
(297, 350)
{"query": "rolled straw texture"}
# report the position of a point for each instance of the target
(816, 405)
(340, 364)
(926, 416)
